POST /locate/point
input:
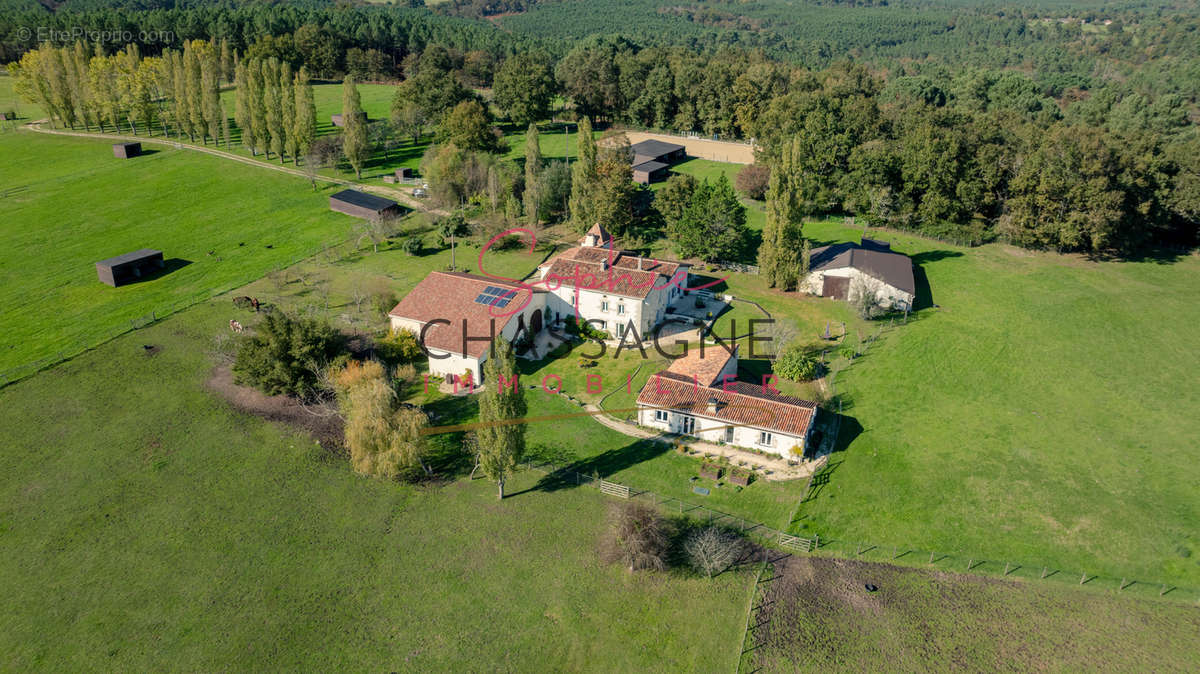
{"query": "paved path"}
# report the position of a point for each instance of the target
(398, 195)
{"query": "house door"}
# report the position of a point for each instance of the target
(535, 321)
(688, 424)
(729, 434)
(837, 287)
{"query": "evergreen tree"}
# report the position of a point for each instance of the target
(533, 170)
(611, 195)
(501, 444)
(713, 226)
(305, 123)
(354, 138)
(584, 178)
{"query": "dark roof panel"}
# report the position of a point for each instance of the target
(650, 166)
(130, 257)
(892, 268)
(363, 200)
(654, 148)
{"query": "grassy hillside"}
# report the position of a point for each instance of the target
(1043, 412)
(69, 203)
(160, 529)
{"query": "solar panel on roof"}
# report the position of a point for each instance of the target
(496, 297)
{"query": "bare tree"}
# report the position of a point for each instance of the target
(712, 550)
(636, 537)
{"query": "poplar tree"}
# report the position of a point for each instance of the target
(305, 124)
(258, 110)
(501, 443)
(287, 107)
(779, 253)
(274, 106)
(583, 179)
(354, 138)
(183, 121)
(210, 79)
(87, 108)
(241, 104)
(533, 170)
(225, 61)
(193, 89)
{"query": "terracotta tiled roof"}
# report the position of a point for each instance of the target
(626, 278)
(451, 296)
(745, 404)
(704, 366)
(598, 230)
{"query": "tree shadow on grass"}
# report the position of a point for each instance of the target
(602, 465)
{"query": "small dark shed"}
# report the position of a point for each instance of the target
(404, 173)
(338, 120)
(361, 205)
(649, 172)
(126, 150)
(129, 267)
(657, 150)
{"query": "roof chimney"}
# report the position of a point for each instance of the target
(639, 263)
(714, 405)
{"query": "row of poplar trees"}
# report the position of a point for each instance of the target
(178, 92)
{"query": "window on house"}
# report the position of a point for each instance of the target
(660, 415)
(688, 424)
(604, 306)
(765, 439)
(620, 308)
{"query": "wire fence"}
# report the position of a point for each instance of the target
(16, 373)
(898, 554)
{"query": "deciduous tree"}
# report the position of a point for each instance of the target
(501, 442)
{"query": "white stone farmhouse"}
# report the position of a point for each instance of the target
(846, 270)
(699, 395)
(615, 290)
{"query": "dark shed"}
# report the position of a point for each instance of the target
(657, 150)
(404, 173)
(129, 267)
(649, 172)
(126, 150)
(361, 205)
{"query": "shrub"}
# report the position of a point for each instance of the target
(398, 347)
(797, 363)
(412, 245)
(383, 300)
(636, 537)
(752, 181)
(383, 437)
(712, 550)
(286, 355)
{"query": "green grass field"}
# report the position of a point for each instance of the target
(69, 203)
(1044, 412)
(162, 529)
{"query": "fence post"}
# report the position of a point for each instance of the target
(1043, 572)
(1083, 578)
(931, 557)
(970, 561)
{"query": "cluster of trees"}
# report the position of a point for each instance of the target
(638, 537)
(274, 108)
(704, 220)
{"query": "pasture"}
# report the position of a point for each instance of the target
(161, 528)
(69, 203)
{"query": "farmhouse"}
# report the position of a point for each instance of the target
(129, 267)
(845, 270)
(652, 158)
(455, 315)
(614, 290)
(126, 150)
(362, 205)
(699, 395)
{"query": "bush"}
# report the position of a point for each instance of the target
(412, 245)
(636, 537)
(398, 347)
(286, 355)
(752, 181)
(797, 363)
(712, 550)
(384, 438)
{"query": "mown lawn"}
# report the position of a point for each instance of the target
(1045, 412)
(160, 529)
(70, 203)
